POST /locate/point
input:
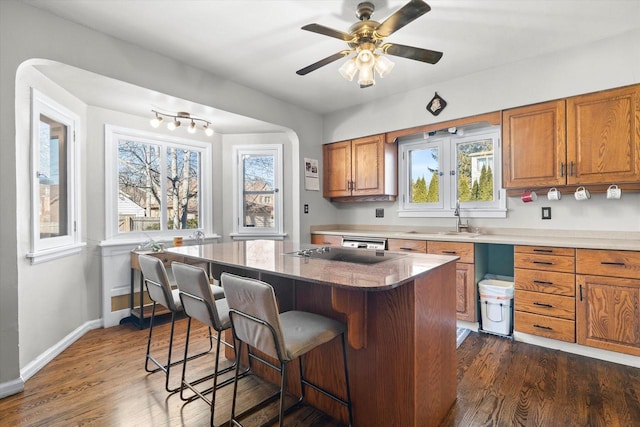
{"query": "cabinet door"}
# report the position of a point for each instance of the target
(608, 313)
(603, 136)
(367, 166)
(534, 145)
(465, 292)
(336, 168)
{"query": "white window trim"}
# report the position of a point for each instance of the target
(112, 134)
(448, 191)
(244, 233)
(51, 248)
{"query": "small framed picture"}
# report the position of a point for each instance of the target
(436, 105)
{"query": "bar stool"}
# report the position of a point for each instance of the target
(160, 292)
(198, 302)
(255, 320)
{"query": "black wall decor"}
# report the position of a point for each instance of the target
(436, 105)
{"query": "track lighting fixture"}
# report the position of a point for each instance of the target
(176, 120)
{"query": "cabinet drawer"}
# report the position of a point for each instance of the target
(608, 263)
(549, 282)
(545, 326)
(407, 245)
(564, 264)
(546, 304)
(545, 250)
(462, 249)
(326, 239)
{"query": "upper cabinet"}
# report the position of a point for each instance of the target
(587, 139)
(534, 145)
(603, 137)
(360, 169)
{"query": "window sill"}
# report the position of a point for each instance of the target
(55, 253)
(265, 236)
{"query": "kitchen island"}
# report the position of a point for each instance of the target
(400, 316)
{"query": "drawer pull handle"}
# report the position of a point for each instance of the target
(621, 264)
(542, 304)
(543, 327)
(540, 282)
(547, 251)
(449, 252)
(543, 262)
(407, 249)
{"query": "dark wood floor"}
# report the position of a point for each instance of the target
(99, 381)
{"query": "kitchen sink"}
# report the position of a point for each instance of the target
(459, 233)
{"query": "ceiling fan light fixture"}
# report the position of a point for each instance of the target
(349, 69)
(384, 65)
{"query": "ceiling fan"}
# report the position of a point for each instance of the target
(366, 39)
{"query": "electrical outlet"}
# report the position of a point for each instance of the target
(546, 212)
(306, 208)
(379, 212)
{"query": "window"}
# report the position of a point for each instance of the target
(257, 182)
(446, 168)
(55, 187)
(156, 184)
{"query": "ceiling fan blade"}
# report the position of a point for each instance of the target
(424, 55)
(322, 62)
(407, 13)
(326, 31)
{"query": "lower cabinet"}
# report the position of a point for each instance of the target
(466, 295)
(326, 240)
(545, 292)
(608, 307)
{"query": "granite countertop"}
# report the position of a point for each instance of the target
(558, 238)
(277, 257)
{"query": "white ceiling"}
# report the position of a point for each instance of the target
(259, 43)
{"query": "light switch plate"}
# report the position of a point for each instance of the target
(379, 212)
(546, 212)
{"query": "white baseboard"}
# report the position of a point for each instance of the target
(11, 387)
(596, 353)
(48, 355)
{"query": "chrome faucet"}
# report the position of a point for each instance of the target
(459, 224)
(199, 236)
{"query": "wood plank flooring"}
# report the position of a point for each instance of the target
(100, 381)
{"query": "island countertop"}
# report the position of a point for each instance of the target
(278, 257)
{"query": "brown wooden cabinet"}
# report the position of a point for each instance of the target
(326, 240)
(608, 300)
(534, 145)
(466, 294)
(360, 169)
(586, 139)
(407, 245)
(545, 292)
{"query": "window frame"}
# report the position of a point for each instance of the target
(241, 232)
(448, 188)
(49, 248)
(113, 134)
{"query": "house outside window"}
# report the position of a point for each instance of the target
(156, 184)
(444, 169)
(55, 204)
(257, 191)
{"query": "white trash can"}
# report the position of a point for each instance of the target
(496, 299)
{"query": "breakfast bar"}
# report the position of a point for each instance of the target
(400, 314)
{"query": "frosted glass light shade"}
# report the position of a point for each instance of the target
(349, 69)
(384, 65)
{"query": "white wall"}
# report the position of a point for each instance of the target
(610, 63)
(26, 33)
